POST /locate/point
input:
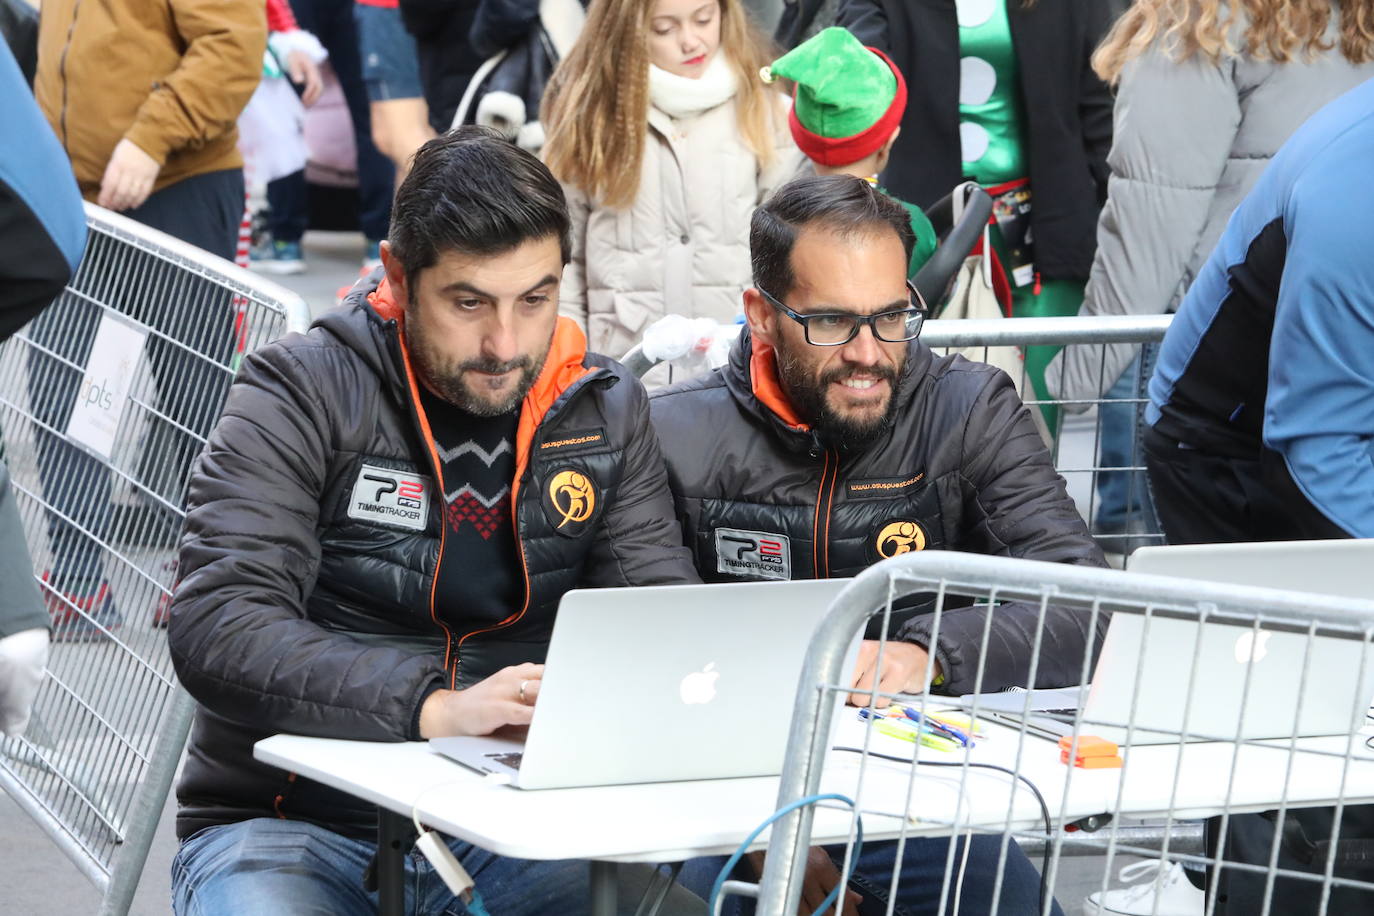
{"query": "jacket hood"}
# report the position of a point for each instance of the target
(751, 375)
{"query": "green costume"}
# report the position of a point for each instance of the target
(992, 132)
(849, 101)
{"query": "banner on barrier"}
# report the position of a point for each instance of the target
(104, 391)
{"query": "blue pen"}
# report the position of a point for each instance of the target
(938, 726)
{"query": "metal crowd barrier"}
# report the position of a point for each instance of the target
(106, 399)
(1095, 441)
(1196, 770)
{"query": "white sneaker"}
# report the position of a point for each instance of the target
(1169, 894)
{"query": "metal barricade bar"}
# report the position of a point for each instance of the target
(1092, 596)
(101, 496)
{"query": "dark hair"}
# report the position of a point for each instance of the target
(471, 190)
(841, 204)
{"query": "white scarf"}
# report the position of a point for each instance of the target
(681, 97)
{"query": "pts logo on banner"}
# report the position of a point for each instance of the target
(105, 387)
(391, 497)
(753, 554)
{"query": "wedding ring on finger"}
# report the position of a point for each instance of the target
(523, 685)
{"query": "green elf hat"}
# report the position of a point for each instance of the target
(849, 98)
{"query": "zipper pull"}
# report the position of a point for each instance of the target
(816, 448)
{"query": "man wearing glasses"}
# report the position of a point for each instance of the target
(834, 439)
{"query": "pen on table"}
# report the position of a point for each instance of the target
(937, 726)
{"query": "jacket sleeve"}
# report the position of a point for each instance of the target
(1021, 509)
(1320, 407)
(640, 541)
(500, 24)
(572, 294)
(41, 217)
(203, 98)
(1165, 172)
(1095, 102)
(279, 17)
(867, 20)
(240, 637)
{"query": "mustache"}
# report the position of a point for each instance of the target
(840, 373)
(495, 367)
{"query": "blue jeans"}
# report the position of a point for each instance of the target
(390, 68)
(288, 197)
(920, 882)
(271, 867)
(1123, 500)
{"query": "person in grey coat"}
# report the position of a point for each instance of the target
(1194, 130)
(42, 234)
(1195, 126)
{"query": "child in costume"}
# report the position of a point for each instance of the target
(846, 115)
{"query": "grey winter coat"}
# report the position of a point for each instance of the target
(1191, 140)
(963, 468)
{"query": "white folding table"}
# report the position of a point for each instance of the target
(672, 822)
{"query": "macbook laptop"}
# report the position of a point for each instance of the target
(1143, 672)
(662, 684)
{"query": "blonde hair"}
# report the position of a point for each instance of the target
(596, 107)
(1277, 30)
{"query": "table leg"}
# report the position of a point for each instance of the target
(394, 834)
(603, 888)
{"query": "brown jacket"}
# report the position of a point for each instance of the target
(172, 76)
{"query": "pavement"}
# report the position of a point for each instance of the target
(36, 879)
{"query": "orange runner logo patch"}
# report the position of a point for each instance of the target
(572, 496)
(898, 538)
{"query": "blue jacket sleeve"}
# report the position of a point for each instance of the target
(1319, 414)
(42, 223)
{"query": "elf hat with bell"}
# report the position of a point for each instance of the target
(849, 98)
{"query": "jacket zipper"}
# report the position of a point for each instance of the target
(582, 385)
(414, 406)
(825, 499)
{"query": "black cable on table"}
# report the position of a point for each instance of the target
(1044, 808)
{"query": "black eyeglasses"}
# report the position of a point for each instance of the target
(834, 329)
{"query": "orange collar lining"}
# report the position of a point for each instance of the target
(763, 378)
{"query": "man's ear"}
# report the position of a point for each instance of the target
(761, 316)
(396, 274)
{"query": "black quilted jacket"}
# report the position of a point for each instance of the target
(962, 469)
(314, 533)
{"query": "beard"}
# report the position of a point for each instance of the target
(851, 431)
(444, 376)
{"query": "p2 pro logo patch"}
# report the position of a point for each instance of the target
(387, 496)
(753, 554)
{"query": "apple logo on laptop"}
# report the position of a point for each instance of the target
(1251, 648)
(699, 686)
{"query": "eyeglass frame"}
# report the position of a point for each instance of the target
(918, 305)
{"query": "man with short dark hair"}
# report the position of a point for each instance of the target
(382, 526)
(834, 432)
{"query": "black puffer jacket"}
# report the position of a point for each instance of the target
(962, 469)
(305, 604)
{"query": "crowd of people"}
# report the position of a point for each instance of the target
(641, 159)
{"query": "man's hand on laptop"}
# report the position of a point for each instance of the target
(821, 877)
(903, 671)
(505, 698)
